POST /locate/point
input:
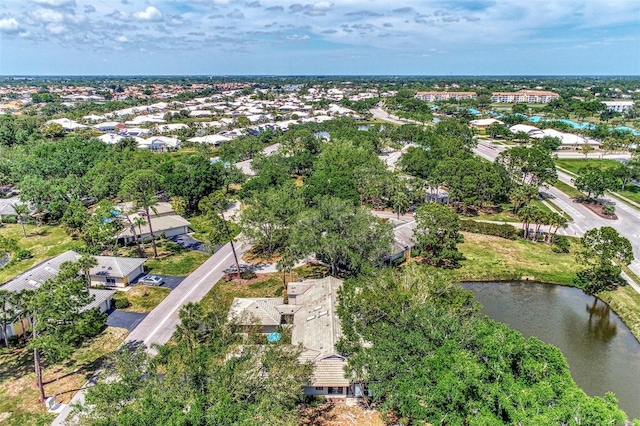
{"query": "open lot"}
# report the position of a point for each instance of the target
(19, 404)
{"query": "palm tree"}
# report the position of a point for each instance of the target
(87, 262)
(526, 215)
(21, 211)
(556, 221)
(141, 187)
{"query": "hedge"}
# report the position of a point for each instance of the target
(504, 231)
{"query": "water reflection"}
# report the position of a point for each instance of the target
(600, 326)
(602, 353)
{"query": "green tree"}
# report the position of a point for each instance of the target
(346, 237)
(21, 210)
(76, 215)
(529, 165)
(427, 355)
(85, 264)
(586, 149)
(602, 247)
(59, 320)
(436, 234)
(141, 188)
(269, 216)
(595, 182)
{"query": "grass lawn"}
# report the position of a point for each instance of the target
(568, 189)
(575, 164)
(43, 242)
(626, 303)
(222, 294)
(631, 192)
(494, 258)
(18, 392)
(176, 264)
(143, 298)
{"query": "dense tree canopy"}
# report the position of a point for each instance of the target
(426, 354)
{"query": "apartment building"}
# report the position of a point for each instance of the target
(444, 96)
(529, 96)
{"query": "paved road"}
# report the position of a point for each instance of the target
(159, 325)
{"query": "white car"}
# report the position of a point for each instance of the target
(151, 280)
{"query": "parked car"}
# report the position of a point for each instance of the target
(151, 280)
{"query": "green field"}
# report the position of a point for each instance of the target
(574, 164)
(43, 242)
(506, 213)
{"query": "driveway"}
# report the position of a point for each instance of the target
(170, 282)
(122, 319)
(189, 243)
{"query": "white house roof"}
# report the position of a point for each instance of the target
(525, 128)
(66, 123)
(212, 139)
(262, 309)
(485, 122)
(117, 267)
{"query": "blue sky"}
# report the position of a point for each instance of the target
(394, 37)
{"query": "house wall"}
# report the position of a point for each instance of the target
(101, 280)
(324, 390)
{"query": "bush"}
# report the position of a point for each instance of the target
(561, 244)
(122, 303)
(23, 254)
(173, 247)
(248, 275)
(10, 219)
(503, 231)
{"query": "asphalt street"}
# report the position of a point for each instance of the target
(627, 224)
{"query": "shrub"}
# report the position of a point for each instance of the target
(122, 303)
(173, 247)
(23, 254)
(10, 219)
(609, 210)
(503, 231)
(561, 244)
(247, 275)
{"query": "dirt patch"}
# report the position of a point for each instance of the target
(339, 414)
(597, 208)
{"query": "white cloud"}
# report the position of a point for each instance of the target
(56, 29)
(47, 16)
(297, 37)
(121, 39)
(9, 26)
(149, 14)
(236, 14)
(56, 3)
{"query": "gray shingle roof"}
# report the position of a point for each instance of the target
(264, 309)
(117, 267)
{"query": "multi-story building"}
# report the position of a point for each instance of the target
(444, 96)
(529, 96)
(619, 106)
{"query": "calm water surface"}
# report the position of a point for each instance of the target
(602, 353)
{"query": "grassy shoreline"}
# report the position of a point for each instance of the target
(499, 260)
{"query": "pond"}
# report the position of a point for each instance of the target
(602, 353)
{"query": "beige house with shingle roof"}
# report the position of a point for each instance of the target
(311, 312)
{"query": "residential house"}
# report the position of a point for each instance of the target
(619, 106)
(116, 271)
(36, 276)
(315, 326)
(67, 124)
(164, 220)
(484, 123)
(159, 143)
